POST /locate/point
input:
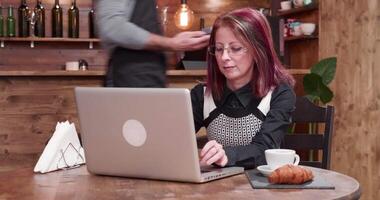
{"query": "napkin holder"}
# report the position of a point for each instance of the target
(63, 150)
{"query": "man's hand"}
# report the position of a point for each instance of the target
(189, 41)
(184, 41)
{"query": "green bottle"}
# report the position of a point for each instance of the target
(39, 27)
(1, 22)
(11, 23)
(91, 23)
(57, 25)
(23, 23)
(73, 13)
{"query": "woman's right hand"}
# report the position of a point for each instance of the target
(211, 153)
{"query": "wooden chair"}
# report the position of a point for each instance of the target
(307, 112)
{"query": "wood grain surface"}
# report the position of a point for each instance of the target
(19, 182)
(351, 31)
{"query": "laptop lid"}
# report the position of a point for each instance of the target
(139, 132)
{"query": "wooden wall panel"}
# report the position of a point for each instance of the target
(351, 31)
(52, 58)
(303, 53)
(30, 107)
(51, 55)
(83, 6)
(208, 9)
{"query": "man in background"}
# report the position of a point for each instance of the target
(131, 32)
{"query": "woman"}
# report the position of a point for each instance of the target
(248, 99)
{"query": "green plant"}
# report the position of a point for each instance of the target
(316, 82)
(316, 87)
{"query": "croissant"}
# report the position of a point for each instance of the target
(290, 174)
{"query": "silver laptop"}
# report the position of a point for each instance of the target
(143, 133)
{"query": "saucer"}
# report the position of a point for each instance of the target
(282, 10)
(265, 170)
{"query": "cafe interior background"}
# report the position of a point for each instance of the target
(35, 91)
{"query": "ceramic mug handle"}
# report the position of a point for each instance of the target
(297, 3)
(296, 159)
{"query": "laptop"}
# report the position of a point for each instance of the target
(142, 133)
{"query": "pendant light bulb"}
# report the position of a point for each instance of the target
(184, 16)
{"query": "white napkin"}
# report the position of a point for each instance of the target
(62, 151)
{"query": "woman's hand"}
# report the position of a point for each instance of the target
(213, 152)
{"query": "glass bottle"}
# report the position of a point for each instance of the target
(91, 21)
(39, 27)
(73, 13)
(56, 19)
(11, 23)
(1, 22)
(201, 23)
(23, 23)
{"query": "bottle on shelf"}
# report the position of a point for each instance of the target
(201, 23)
(91, 23)
(57, 25)
(11, 23)
(39, 27)
(23, 19)
(73, 13)
(1, 22)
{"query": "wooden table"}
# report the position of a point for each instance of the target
(17, 181)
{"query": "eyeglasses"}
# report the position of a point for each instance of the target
(233, 50)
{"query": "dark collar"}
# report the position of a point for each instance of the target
(243, 94)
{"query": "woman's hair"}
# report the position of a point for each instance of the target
(252, 29)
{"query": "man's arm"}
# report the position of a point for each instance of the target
(116, 30)
(114, 26)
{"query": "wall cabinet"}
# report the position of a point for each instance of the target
(300, 51)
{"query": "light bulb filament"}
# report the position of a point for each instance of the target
(184, 18)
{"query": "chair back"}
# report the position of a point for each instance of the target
(307, 112)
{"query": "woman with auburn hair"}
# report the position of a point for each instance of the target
(248, 99)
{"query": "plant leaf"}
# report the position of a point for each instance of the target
(326, 94)
(326, 68)
(310, 84)
(316, 89)
(312, 98)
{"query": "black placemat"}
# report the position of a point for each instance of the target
(259, 181)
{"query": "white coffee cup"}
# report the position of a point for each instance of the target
(307, 28)
(286, 5)
(72, 66)
(278, 157)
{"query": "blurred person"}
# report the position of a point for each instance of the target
(131, 32)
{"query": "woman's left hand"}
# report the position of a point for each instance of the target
(213, 152)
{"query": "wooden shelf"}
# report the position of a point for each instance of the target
(179, 73)
(313, 6)
(301, 37)
(32, 40)
(48, 39)
(90, 73)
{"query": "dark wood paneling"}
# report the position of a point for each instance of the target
(303, 53)
(58, 53)
(83, 6)
(208, 9)
(56, 58)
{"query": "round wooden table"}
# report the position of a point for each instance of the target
(19, 182)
